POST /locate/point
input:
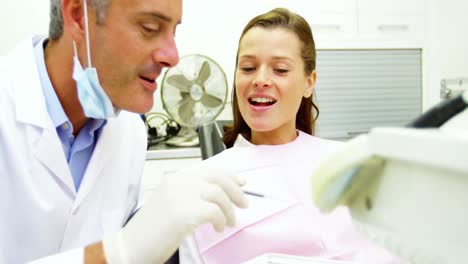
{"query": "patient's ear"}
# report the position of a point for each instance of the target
(310, 84)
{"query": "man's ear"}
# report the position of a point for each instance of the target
(310, 84)
(73, 19)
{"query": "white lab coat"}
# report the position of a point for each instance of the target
(41, 213)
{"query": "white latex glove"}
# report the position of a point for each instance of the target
(182, 202)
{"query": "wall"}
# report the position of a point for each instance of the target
(444, 40)
(215, 33)
(20, 18)
(447, 44)
(451, 37)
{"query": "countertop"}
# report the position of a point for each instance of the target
(162, 151)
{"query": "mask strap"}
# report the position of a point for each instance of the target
(75, 51)
(88, 51)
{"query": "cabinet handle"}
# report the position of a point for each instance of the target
(384, 27)
(357, 133)
(328, 27)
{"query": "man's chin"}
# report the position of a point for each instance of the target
(139, 109)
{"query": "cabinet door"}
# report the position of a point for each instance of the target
(329, 20)
(396, 21)
(332, 20)
(361, 89)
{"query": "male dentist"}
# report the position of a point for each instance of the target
(72, 147)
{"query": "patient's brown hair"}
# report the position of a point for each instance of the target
(308, 111)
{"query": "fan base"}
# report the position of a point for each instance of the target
(183, 141)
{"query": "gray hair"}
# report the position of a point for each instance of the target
(56, 19)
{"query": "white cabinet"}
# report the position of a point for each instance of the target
(361, 89)
(330, 20)
(357, 24)
(398, 21)
(392, 7)
(408, 29)
(163, 162)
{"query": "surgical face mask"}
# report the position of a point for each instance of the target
(92, 97)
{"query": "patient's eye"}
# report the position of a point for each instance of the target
(280, 70)
(247, 69)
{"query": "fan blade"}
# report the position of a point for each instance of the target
(186, 109)
(184, 94)
(179, 81)
(204, 73)
(211, 100)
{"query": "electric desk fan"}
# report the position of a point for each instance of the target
(193, 93)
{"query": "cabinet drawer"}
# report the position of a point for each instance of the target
(398, 28)
(327, 27)
(330, 20)
(391, 7)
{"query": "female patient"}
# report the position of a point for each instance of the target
(274, 150)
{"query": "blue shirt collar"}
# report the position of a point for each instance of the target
(54, 107)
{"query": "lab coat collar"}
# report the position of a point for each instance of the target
(49, 152)
(99, 159)
(31, 109)
(29, 98)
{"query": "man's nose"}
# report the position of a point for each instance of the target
(166, 53)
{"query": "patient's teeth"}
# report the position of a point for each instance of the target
(262, 100)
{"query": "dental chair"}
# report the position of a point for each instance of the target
(406, 188)
(211, 137)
